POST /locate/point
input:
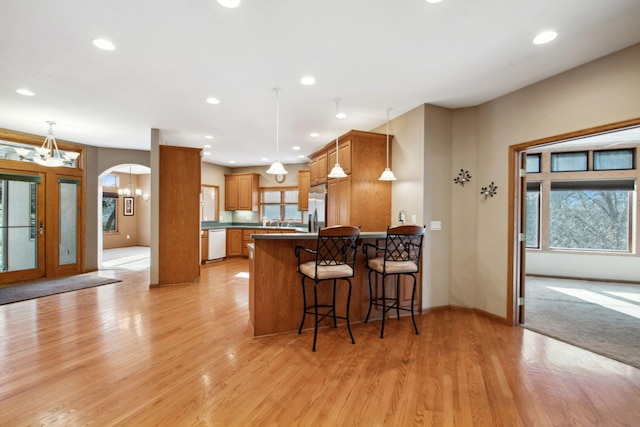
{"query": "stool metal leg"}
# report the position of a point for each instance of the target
(384, 305)
(413, 294)
(366, 319)
(333, 304)
(315, 305)
(347, 315)
(397, 299)
(304, 306)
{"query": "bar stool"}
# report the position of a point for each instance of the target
(335, 257)
(399, 256)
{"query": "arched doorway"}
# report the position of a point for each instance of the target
(124, 217)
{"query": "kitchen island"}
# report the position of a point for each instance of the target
(275, 292)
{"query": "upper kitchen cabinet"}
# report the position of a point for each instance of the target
(304, 177)
(360, 199)
(242, 191)
(344, 155)
(318, 167)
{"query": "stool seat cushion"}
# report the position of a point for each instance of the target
(393, 267)
(335, 271)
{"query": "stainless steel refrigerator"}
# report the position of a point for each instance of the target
(317, 207)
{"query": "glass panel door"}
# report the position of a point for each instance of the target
(21, 220)
(68, 250)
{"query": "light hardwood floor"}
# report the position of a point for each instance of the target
(124, 354)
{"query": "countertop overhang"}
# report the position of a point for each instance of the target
(314, 236)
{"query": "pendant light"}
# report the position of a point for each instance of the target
(387, 175)
(48, 154)
(276, 167)
(337, 171)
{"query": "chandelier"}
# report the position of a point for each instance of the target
(48, 154)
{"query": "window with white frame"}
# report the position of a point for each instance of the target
(280, 204)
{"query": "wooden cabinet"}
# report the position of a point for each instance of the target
(239, 238)
(344, 156)
(204, 245)
(318, 167)
(241, 192)
(360, 199)
(179, 215)
(234, 242)
(339, 202)
(304, 180)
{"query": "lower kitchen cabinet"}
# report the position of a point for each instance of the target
(204, 245)
(234, 241)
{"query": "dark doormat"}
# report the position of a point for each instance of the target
(51, 287)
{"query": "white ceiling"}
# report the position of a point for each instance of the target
(372, 54)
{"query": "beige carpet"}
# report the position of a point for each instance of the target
(51, 287)
(600, 317)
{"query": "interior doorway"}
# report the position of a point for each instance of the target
(541, 248)
(124, 216)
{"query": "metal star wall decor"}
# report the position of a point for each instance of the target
(490, 190)
(463, 177)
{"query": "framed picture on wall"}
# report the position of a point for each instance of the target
(128, 206)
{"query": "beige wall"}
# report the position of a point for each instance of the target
(604, 91)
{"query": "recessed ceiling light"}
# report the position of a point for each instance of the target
(208, 137)
(264, 159)
(212, 100)
(314, 134)
(229, 3)
(207, 146)
(232, 161)
(545, 37)
(301, 156)
(341, 115)
(206, 153)
(434, 1)
(25, 92)
(103, 44)
(295, 148)
(307, 80)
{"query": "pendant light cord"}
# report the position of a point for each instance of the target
(388, 110)
(277, 91)
(337, 134)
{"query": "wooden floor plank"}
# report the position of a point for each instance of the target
(124, 354)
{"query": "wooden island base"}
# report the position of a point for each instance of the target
(275, 290)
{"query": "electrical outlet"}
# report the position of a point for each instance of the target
(413, 219)
(128, 237)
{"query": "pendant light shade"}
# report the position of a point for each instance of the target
(337, 171)
(276, 167)
(387, 174)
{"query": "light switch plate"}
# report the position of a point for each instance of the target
(436, 225)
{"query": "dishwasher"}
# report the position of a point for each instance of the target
(217, 244)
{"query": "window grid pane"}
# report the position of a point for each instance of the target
(533, 163)
(291, 196)
(271, 196)
(569, 162)
(589, 220)
(613, 160)
(532, 220)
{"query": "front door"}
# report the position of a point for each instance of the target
(22, 244)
